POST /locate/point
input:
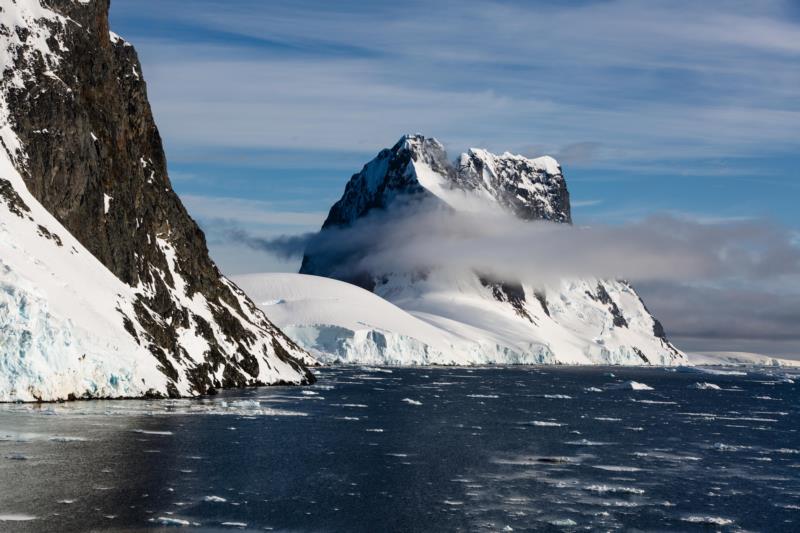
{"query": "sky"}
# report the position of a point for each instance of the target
(684, 108)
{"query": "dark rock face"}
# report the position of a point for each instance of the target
(386, 178)
(603, 297)
(94, 158)
(530, 189)
(510, 292)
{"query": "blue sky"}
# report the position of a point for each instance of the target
(268, 107)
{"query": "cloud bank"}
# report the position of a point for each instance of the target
(418, 237)
(714, 284)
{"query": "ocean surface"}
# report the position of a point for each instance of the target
(422, 449)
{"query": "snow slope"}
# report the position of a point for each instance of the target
(337, 321)
(462, 324)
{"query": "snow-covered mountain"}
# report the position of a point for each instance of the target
(470, 317)
(106, 286)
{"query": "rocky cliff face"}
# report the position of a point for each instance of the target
(533, 189)
(574, 321)
(77, 125)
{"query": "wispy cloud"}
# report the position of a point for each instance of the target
(629, 83)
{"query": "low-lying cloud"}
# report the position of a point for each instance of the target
(417, 237)
(716, 285)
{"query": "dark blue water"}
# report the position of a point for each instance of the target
(430, 449)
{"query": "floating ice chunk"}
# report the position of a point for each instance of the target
(630, 385)
(245, 404)
(215, 499)
(712, 520)
(410, 401)
(706, 386)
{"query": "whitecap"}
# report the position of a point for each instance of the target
(615, 468)
(215, 499)
(168, 521)
(712, 520)
(706, 386)
(410, 401)
(544, 423)
(616, 489)
(13, 517)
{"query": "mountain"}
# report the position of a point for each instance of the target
(478, 318)
(107, 286)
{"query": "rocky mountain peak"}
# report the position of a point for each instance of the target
(532, 189)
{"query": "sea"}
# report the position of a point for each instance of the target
(436, 449)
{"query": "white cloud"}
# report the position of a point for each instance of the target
(655, 81)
